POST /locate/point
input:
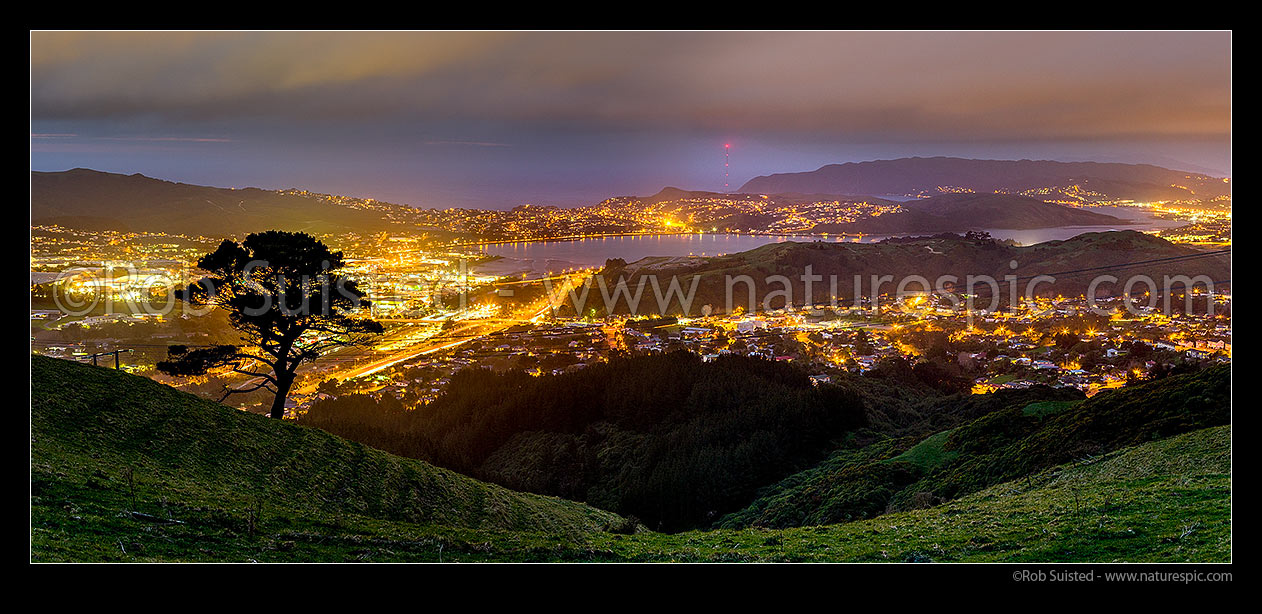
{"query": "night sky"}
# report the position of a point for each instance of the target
(496, 119)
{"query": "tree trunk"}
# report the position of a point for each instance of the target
(282, 394)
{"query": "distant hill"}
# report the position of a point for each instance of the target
(83, 198)
(670, 193)
(953, 212)
(1074, 263)
(1005, 211)
(120, 444)
(927, 175)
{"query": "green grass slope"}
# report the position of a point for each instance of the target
(1164, 501)
(1017, 439)
(1008, 444)
(118, 459)
(124, 469)
(928, 454)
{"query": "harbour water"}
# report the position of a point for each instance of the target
(541, 257)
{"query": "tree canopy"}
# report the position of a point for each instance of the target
(283, 292)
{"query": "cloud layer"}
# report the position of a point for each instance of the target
(900, 86)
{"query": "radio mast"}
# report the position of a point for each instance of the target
(727, 159)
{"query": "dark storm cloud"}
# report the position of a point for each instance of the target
(892, 86)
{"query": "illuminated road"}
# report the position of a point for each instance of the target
(463, 332)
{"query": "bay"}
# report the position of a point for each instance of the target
(533, 258)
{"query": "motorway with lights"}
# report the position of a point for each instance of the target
(409, 340)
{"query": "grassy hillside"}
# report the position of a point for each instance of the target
(1007, 443)
(124, 469)
(1165, 501)
(1011, 443)
(106, 444)
(928, 454)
